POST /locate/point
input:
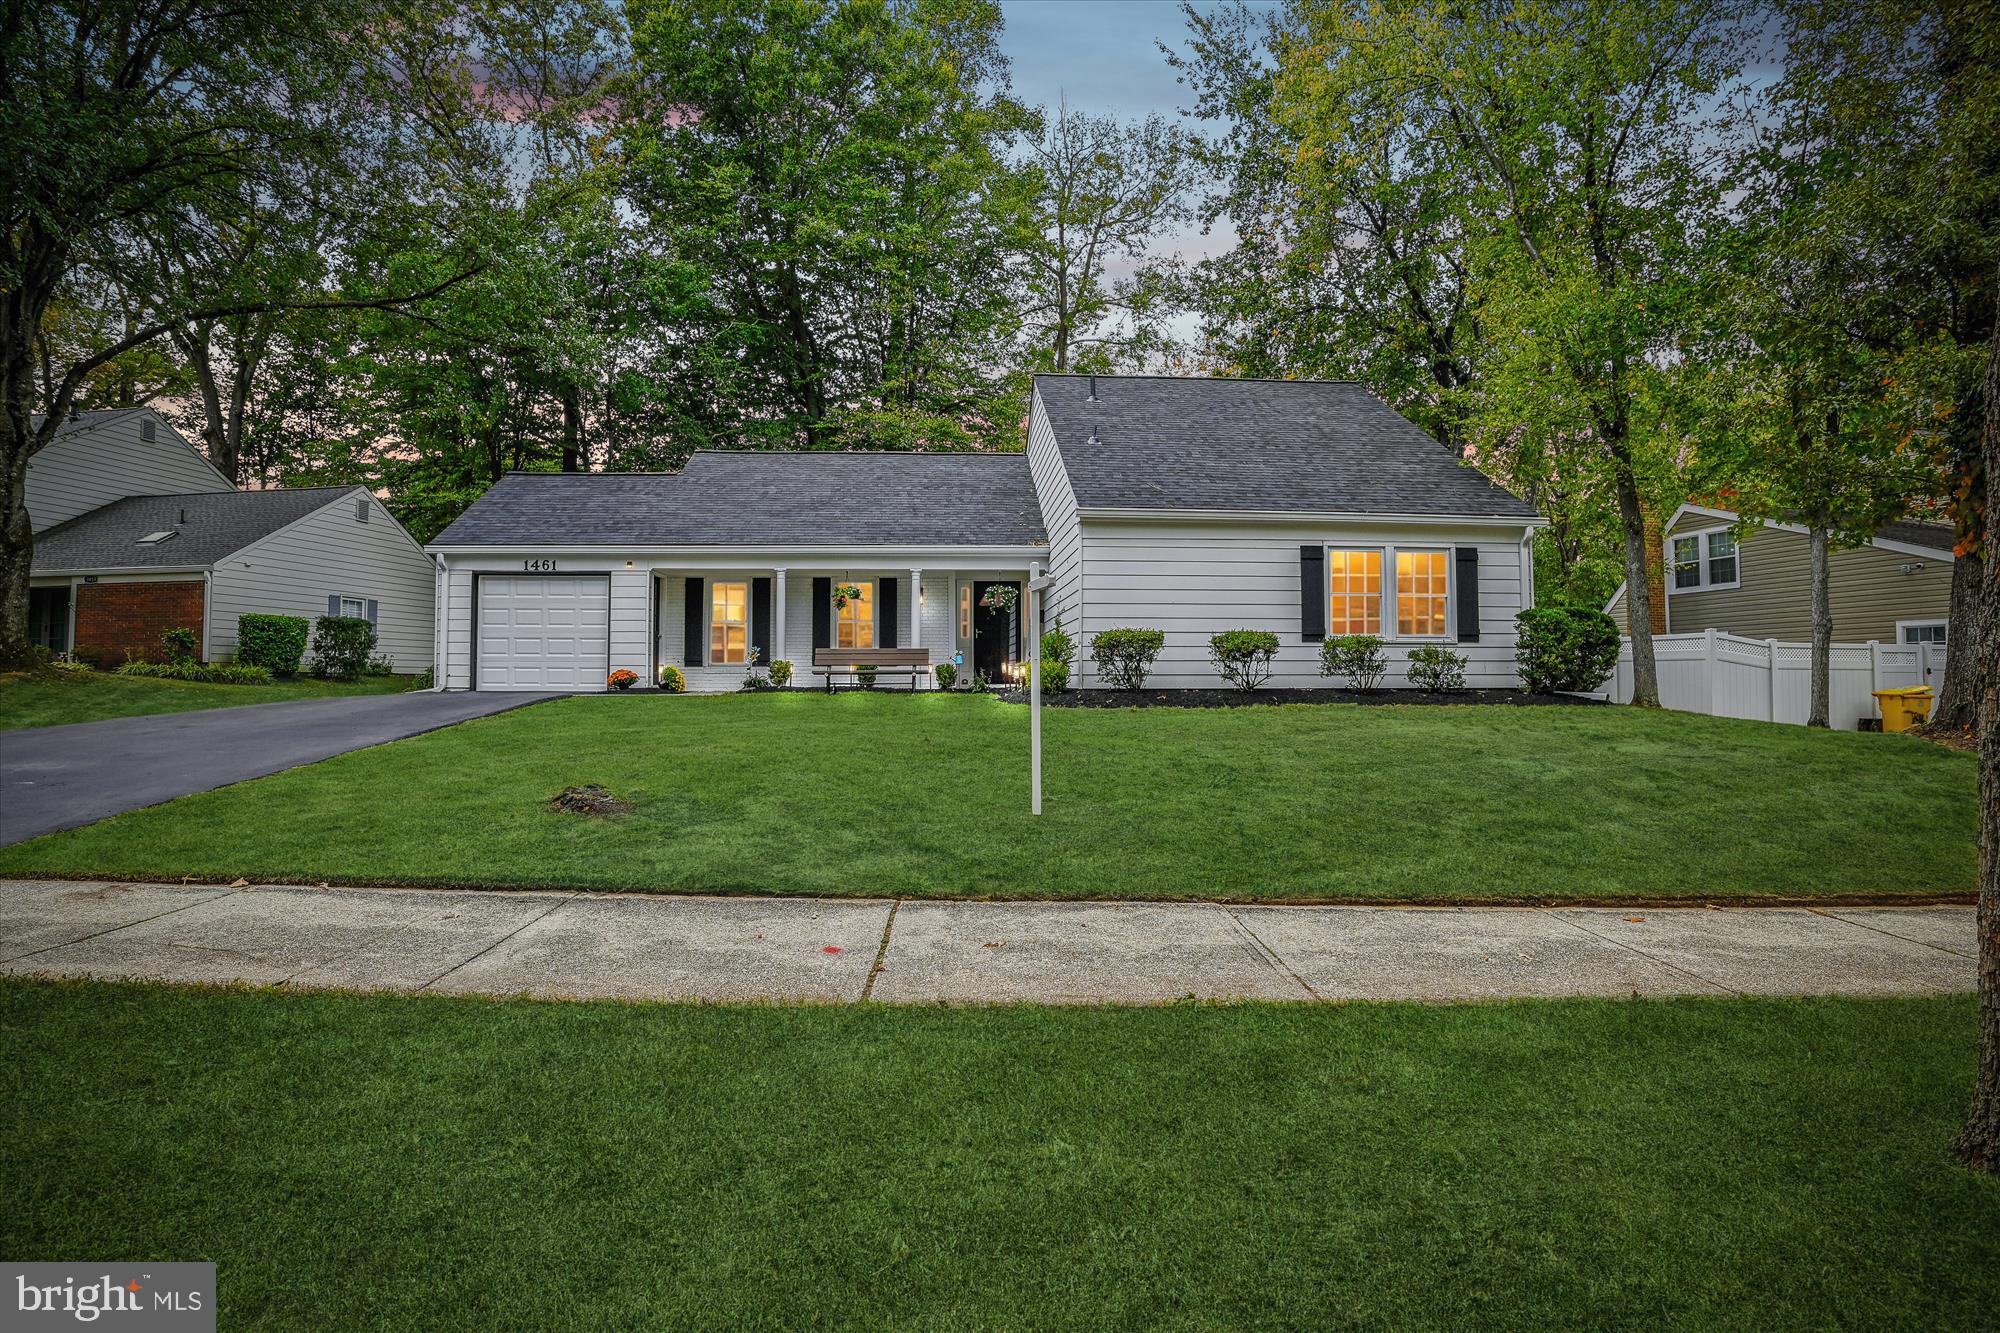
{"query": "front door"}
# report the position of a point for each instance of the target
(48, 618)
(992, 633)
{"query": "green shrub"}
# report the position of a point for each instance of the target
(213, 673)
(381, 664)
(947, 675)
(1125, 656)
(276, 643)
(866, 675)
(341, 645)
(979, 683)
(423, 680)
(1244, 656)
(1357, 657)
(1436, 670)
(1058, 646)
(781, 674)
(1565, 648)
(671, 679)
(1055, 675)
(180, 644)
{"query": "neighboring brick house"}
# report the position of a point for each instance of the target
(136, 534)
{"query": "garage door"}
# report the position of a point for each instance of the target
(546, 633)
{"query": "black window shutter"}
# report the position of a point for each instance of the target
(822, 613)
(333, 603)
(694, 652)
(1312, 593)
(1467, 577)
(760, 619)
(885, 615)
(374, 611)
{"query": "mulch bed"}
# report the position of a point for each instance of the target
(589, 799)
(1953, 738)
(1239, 698)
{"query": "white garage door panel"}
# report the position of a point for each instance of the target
(551, 633)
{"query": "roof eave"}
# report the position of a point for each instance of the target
(1305, 516)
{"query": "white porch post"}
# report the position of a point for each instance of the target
(916, 608)
(777, 648)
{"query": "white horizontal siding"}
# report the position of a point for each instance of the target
(1064, 597)
(327, 553)
(89, 469)
(631, 623)
(1195, 580)
(458, 630)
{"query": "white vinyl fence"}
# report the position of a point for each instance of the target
(1769, 681)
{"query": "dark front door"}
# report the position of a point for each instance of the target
(48, 618)
(992, 633)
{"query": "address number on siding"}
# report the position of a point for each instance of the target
(539, 566)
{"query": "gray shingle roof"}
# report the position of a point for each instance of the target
(217, 523)
(1299, 446)
(766, 499)
(1937, 537)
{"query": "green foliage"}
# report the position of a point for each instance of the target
(180, 644)
(1358, 658)
(212, 673)
(424, 680)
(1244, 656)
(947, 675)
(1055, 675)
(341, 645)
(866, 676)
(1565, 648)
(1058, 645)
(781, 673)
(1124, 656)
(1437, 670)
(276, 643)
(672, 680)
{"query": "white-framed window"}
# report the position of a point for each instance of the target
(1922, 631)
(1423, 580)
(1703, 560)
(965, 611)
(1354, 591)
(1389, 591)
(356, 607)
(728, 624)
(854, 624)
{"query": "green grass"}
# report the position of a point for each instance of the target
(52, 698)
(927, 796)
(436, 1164)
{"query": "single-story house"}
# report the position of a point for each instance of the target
(136, 533)
(1757, 581)
(1190, 506)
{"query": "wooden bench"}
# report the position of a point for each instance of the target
(915, 661)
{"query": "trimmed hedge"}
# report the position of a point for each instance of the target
(1565, 649)
(1244, 656)
(276, 643)
(213, 673)
(1436, 670)
(1125, 656)
(1357, 657)
(180, 644)
(341, 645)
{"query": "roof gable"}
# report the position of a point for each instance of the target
(1255, 446)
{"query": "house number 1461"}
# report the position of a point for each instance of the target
(539, 566)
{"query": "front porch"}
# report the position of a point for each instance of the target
(714, 622)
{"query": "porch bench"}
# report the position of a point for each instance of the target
(914, 661)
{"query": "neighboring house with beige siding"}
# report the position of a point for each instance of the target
(1757, 581)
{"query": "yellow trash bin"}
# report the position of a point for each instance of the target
(1904, 708)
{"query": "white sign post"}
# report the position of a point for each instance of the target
(1036, 582)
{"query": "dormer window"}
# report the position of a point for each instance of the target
(155, 538)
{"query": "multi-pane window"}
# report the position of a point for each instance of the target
(1420, 592)
(855, 627)
(729, 623)
(1354, 592)
(965, 610)
(1687, 562)
(1722, 557)
(1932, 631)
(357, 607)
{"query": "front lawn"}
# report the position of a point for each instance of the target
(927, 796)
(401, 1163)
(51, 698)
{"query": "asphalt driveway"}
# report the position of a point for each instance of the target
(55, 778)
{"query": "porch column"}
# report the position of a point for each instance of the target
(916, 608)
(777, 649)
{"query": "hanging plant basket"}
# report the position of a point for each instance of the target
(843, 593)
(1001, 597)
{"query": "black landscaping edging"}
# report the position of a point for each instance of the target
(1242, 698)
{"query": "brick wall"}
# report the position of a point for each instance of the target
(119, 620)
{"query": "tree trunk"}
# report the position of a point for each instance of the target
(19, 319)
(1822, 630)
(572, 406)
(1958, 695)
(1638, 594)
(1978, 1144)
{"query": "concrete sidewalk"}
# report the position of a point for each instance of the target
(912, 952)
